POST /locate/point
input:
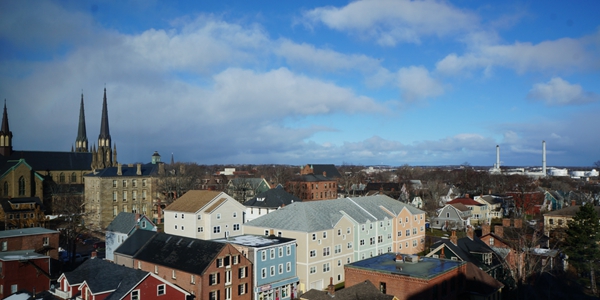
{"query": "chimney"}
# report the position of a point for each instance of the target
(399, 257)
(271, 232)
(485, 229)
(544, 158)
(454, 238)
(331, 287)
(119, 170)
(466, 195)
(470, 232)
(137, 217)
(324, 174)
(518, 223)
(499, 231)
(139, 169)
(573, 203)
(443, 255)
(506, 222)
(161, 169)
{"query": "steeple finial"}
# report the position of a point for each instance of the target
(81, 143)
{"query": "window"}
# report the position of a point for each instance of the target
(362, 242)
(389, 236)
(349, 245)
(242, 272)
(114, 183)
(407, 232)
(135, 295)
(242, 289)
(380, 223)
(155, 269)
(288, 250)
(228, 293)
(4, 245)
(551, 221)
(61, 178)
(217, 229)
(280, 251)
(326, 251)
(313, 253)
(236, 227)
(263, 255)
(134, 182)
(133, 195)
(348, 230)
(213, 279)
(219, 262)
(491, 241)
(160, 289)
(200, 229)
(46, 241)
(313, 270)
(236, 259)
(372, 241)
(380, 239)
(115, 196)
(406, 220)
(228, 277)
(414, 243)
(22, 185)
(288, 266)
(371, 226)
(124, 183)
(324, 234)
(218, 216)
(192, 279)
(280, 268)
(124, 195)
(263, 273)
(235, 214)
(314, 236)
(272, 253)
(143, 194)
(326, 267)
(399, 233)
(199, 217)
(414, 230)
(382, 288)
(214, 295)
(337, 249)
(143, 182)
(339, 231)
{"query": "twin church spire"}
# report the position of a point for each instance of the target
(103, 156)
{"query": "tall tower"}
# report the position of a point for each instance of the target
(5, 135)
(103, 156)
(81, 143)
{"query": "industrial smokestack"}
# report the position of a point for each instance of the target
(497, 157)
(544, 157)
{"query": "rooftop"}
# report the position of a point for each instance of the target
(426, 267)
(257, 241)
(26, 231)
(20, 255)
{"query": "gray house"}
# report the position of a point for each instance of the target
(122, 227)
(452, 217)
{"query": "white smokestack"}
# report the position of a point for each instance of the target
(544, 157)
(497, 157)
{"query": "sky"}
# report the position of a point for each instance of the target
(294, 82)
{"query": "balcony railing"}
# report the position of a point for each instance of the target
(60, 293)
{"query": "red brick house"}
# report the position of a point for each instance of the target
(312, 187)
(206, 269)
(23, 270)
(41, 240)
(98, 279)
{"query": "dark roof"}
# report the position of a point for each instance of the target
(55, 161)
(124, 222)
(480, 282)
(126, 170)
(330, 170)
(26, 231)
(102, 276)
(135, 242)
(359, 291)
(272, 198)
(465, 201)
(465, 247)
(180, 253)
(7, 208)
(385, 186)
(312, 178)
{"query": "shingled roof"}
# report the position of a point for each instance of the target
(124, 222)
(330, 170)
(180, 253)
(193, 201)
(55, 161)
(126, 171)
(135, 242)
(272, 198)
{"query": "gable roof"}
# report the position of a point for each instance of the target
(102, 275)
(464, 247)
(193, 200)
(135, 242)
(52, 160)
(272, 198)
(180, 253)
(359, 291)
(460, 206)
(465, 201)
(124, 222)
(322, 215)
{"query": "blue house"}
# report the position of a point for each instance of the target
(122, 227)
(274, 260)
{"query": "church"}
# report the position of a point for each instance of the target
(35, 177)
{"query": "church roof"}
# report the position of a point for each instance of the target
(51, 160)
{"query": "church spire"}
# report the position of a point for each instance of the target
(5, 135)
(104, 130)
(104, 155)
(81, 144)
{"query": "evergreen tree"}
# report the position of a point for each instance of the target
(582, 240)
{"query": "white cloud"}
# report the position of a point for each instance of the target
(392, 21)
(560, 92)
(416, 83)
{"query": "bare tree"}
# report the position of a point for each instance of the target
(176, 179)
(67, 204)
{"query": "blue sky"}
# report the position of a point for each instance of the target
(294, 82)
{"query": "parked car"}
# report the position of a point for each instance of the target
(66, 257)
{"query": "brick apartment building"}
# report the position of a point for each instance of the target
(41, 240)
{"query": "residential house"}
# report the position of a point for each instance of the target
(100, 279)
(267, 202)
(123, 255)
(494, 205)
(359, 291)
(559, 219)
(206, 269)
(243, 189)
(123, 226)
(390, 189)
(123, 188)
(470, 249)
(479, 211)
(417, 202)
(452, 217)
(204, 215)
(312, 187)
(553, 200)
(21, 213)
(274, 261)
(41, 240)
(332, 233)
(528, 203)
(23, 270)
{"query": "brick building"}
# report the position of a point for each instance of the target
(23, 270)
(312, 187)
(41, 240)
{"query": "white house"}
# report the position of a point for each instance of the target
(122, 227)
(204, 215)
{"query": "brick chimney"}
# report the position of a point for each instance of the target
(470, 232)
(485, 229)
(454, 238)
(573, 203)
(506, 222)
(466, 195)
(499, 231)
(518, 223)
(443, 255)
(399, 257)
(331, 287)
